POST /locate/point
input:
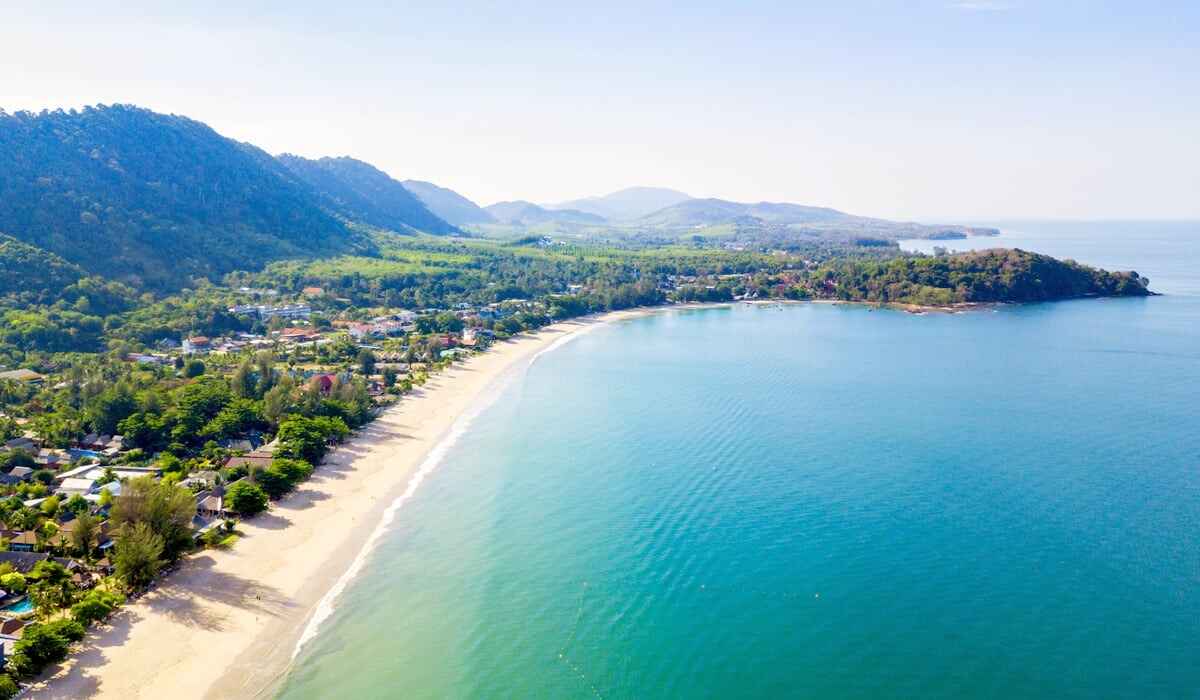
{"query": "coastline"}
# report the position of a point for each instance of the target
(227, 623)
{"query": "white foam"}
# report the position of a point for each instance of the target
(563, 341)
(326, 605)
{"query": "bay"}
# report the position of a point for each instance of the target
(815, 501)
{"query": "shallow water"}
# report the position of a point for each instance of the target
(814, 501)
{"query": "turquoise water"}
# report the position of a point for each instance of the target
(814, 501)
(22, 606)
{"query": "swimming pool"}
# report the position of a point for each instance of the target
(21, 606)
(78, 454)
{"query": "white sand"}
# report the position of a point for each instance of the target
(226, 623)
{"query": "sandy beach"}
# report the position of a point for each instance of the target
(226, 622)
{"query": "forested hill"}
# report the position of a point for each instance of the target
(999, 275)
(361, 192)
(155, 199)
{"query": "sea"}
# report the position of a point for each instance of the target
(814, 501)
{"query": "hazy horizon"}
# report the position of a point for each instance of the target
(966, 111)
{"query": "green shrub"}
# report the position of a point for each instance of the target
(69, 629)
(13, 583)
(41, 645)
(246, 499)
(95, 606)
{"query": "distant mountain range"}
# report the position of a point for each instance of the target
(657, 212)
(448, 204)
(794, 218)
(521, 213)
(627, 204)
(156, 200)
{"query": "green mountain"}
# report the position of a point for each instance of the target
(522, 213)
(795, 220)
(448, 204)
(155, 199)
(361, 192)
(627, 204)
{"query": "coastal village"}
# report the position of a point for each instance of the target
(63, 502)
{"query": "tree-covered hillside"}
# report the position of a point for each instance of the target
(999, 275)
(30, 275)
(363, 193)
(153, 198)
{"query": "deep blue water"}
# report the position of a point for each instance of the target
(815, 501)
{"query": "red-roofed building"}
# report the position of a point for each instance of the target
(324, 383)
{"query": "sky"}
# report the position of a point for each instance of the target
(936, 111)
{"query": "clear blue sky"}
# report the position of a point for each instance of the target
(934, 110)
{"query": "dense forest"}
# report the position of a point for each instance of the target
(984, 276)
(362, 193)
(153, 199)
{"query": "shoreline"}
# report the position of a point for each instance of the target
(229, 623)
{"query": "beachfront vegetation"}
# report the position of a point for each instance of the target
(138, 555)
(8, 687)
(95, 605)
(43, 644)
(246, 499)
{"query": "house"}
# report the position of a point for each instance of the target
(477, 337)
(267, 313)
(122, 473)
(201, 481)
(22, 443)
(145, 359)
(22, 473)
(113, 488)
(23, 562)
(93, 441)
(298, 334)
(11, 627)
(77, 486)
(313, 292)
(24, 541)
(211, 504)
(76, 472)
(52, 458)
(63, 537)
(22, 375)
(252, 460)
(196, 344)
